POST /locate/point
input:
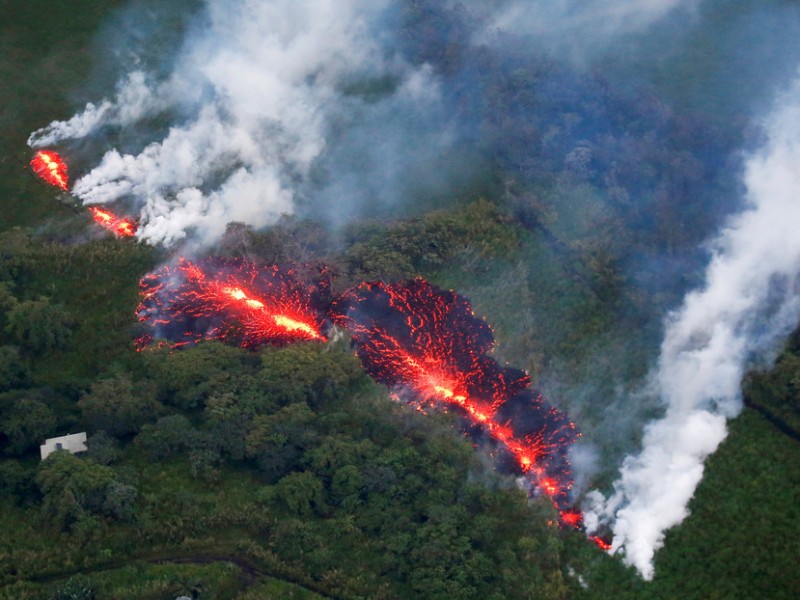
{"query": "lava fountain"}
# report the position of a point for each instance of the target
(51, 168)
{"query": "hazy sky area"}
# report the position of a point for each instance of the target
(346, 109)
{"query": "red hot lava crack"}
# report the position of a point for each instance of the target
(424, 343)
(229, 300)
(414, 336)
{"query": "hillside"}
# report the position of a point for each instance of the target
(285, 471)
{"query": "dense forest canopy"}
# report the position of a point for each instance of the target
(568, 192)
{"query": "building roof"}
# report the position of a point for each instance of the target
(72, 443)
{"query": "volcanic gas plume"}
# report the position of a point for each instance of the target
(228, 300)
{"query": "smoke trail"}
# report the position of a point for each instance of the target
(253, 95)
(577, 29)
(749, 302)
(134, 100)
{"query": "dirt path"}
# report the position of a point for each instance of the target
(250, 573)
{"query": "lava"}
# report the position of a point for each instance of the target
(119, 226)
(428, 346)
(229, 300)
(601, 542)
(424, 343)
(50, 167)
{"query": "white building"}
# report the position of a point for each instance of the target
(72, 443)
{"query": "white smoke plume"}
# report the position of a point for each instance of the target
(750, 301)
(256, 87)
(134, 100)
(260, 93)
(577, 29)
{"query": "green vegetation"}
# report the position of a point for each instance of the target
(288, 467)
(216, 472)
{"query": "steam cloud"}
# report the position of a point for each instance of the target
(750, 301)
(262, 93)
(134, 100)
(257, 88)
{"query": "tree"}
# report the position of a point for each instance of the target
(307, 373)
(119, 501)
(166, 436)
(300, 493)
(277, 442)
(187, 378)
(204, 463)
(74, 489)
(24, 422)
(39, 326)
(7, 300)
(346, 487)
(119, 406)
(102, 448)
(13, 371)
(15, 253)
(16, 481)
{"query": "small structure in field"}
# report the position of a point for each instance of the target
(72, 443)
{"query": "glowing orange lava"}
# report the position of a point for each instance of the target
(572, 518)
(289, 324)
(600, 542)
(295, 326)
(234, 301)
(50, 167)
(430, 349)
(119, 226)
(424, 343)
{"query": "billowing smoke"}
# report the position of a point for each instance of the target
(255, 91)
(273, 103)
(750, 300)
(134, 100)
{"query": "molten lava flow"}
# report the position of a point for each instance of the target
(413, 336)
(50, 167)
(602, 543)
(424, 343)
(119, 226)
(234, 301)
